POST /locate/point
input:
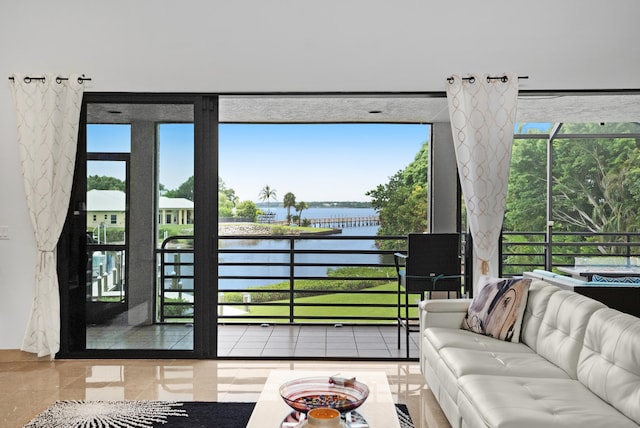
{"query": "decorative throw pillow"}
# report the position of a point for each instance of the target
(498, 309)
(625, 279)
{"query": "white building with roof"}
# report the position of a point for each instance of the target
(108, 207)
(175, 211)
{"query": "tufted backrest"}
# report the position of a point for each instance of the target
(609, 363)
(563, 327)
(537, 301)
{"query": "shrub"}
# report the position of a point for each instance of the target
(171, 310)
(317, 287)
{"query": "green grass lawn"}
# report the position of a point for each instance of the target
(355, 301)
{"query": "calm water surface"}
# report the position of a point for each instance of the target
(306, 244)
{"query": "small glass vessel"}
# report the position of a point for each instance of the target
(323, 417)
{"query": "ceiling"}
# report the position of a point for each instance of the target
(373, 108)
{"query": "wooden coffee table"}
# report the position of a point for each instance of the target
(378, 410)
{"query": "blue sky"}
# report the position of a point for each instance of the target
(338, 162)
(316, 162)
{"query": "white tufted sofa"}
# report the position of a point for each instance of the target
(577, 365)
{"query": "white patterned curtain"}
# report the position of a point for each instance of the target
(48, 112)
(483, 112)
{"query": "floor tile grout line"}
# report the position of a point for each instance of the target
(360, 339)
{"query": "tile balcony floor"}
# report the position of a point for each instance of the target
(270, 341)
(366, 342)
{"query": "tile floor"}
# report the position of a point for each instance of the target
(366, 342)
(30, 386)
(272, 341)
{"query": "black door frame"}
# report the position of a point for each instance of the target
(72, 246)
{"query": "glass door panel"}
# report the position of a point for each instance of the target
(107, 200)
(175, 224)
(139, 227)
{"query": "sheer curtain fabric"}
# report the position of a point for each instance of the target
(48, 113)
(483, 112)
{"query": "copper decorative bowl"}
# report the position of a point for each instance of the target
(309, 393)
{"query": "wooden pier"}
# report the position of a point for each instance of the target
(342, 222)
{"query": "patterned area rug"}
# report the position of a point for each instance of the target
(147, 414)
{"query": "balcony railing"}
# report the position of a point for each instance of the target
(525, 251)
(362, 283)
(337, 284)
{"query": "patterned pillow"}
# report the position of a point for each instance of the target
(625, 279)
(498, 309)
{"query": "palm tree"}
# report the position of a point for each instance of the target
(288, 202)
(266, 194)
(299, 207)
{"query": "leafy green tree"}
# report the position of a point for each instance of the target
(596, 187)
(595, 182)
(526, 199)
(267, 194)
(225, 206)
(401, 203)
(185, 190)
(101, 182)
(289, 201)
(247, 209)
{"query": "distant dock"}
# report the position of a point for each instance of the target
(342, 222)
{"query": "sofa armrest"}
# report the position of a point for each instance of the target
(447, 313)
(442, 312)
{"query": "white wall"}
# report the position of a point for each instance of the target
(290, 45)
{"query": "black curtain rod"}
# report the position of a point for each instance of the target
(28, 79)
(503, 79)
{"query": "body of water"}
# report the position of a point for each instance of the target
(306, 244)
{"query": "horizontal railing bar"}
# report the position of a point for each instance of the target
(253, 277)
(106, 247)
(321, 278)
(310, 305)
(296, 264)
(314, 237)
(287, 290)
(295, 274)
(288, 251)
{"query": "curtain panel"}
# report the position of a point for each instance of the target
(483, 113)
(48, 112)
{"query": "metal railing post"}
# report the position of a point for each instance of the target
(292, 253)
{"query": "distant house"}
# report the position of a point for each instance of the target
(105, 207)
(108, 207)
(175, 211)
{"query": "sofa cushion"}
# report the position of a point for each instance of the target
(563, 327)
(498, 308)
(462, 362)
(539, 293)
(440, 338)
(455, 363)
(609, 363)
(514, 402)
